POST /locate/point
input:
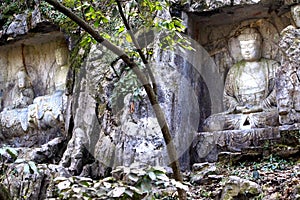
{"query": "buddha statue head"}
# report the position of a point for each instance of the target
(250, 43)
(61, 56)
(22, 78)
(296, 15)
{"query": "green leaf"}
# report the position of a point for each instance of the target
(106, 36)
(85, 183)
(12, 152)
(26, 169)
(64, 185)
(152, 176)
(128, 38)
(133, 177)
(129, 193)
(97, 23)
(121, 29)
(104, 19)
(19, 160)
(2, 151)
(117, 192)
(33, 167)
(146, 185)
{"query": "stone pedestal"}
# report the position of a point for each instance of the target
(208, 146)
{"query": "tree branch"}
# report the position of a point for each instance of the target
(137, 46)
(142, 78)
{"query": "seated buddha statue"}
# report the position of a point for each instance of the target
(249, 93)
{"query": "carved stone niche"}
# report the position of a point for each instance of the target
(217, 32)
(33, 73)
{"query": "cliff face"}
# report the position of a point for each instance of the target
(77, 122)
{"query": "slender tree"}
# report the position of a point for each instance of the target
(150, 89)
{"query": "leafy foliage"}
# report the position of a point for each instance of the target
(142, 15)
(9, 8)
(9, 160)
(125, 183)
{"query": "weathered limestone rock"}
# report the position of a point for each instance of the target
(288, 84)
(38, 123)
(209, 5)
(31, 181)
(202, 172)
(208, 145)
(34, 69)
(237, 187)
(51, 152)
(19, 26)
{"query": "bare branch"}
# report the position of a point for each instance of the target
(137, 46)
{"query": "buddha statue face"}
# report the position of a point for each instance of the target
(250, 43)
(250, 50)
(21, 79)
(296, 14)
(61, 56)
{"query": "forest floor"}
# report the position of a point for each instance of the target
(276, 178)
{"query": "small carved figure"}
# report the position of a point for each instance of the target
(249, 93)
(23, 94)
(61, 55)
(288, 84)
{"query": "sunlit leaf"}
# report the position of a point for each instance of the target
(121, 29)
(128, 37)
(152, 175)
(19, 160)
(64, 185)
(129, 193)
(26, 169)
(33, 167)
(117, 192)
(133, 177)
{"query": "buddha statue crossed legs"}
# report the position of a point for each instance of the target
(249, 93)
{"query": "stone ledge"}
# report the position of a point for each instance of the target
(283, 140)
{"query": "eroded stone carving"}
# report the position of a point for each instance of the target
(288, 76)
(45, 112)
(249, 93)
(23, 94)
(61, 56)
(33, 73)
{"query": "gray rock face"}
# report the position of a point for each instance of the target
(18, 26)
(31, 181)
(236, 186)
(202, 172)
(210, 5)
(288, 86)
(208, 145)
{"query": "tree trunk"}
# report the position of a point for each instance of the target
(142, 78)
